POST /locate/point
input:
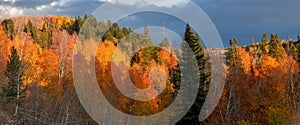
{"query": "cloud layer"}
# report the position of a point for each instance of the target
(12, 8)
(159, 3)
(9, 11)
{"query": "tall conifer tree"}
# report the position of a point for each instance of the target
(14, 73)
(276, 49)
(264, 42)
(193, 41)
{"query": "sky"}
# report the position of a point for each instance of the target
(245, 19)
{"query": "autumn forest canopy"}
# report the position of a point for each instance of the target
(37, 84)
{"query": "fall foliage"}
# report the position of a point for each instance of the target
(262, 79)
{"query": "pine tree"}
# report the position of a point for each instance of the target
(146, 31)
(291, 49)
(78, 23)
(85, 17)
(108, 36)
(45, 37)
(189, 36)
(14, 73)
(235, 41)
(298, 54)
(76, 27)
(146, 38)
(165, 43)
(32, 30)
(186, 61)
(264, 42)
(8, 26)
(116, 31)
(125, 31)
(201, 59)
(198, 52)
(276, 49)
(232, 55)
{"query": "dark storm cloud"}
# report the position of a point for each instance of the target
(252, 18)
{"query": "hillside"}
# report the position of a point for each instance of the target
(37, 55)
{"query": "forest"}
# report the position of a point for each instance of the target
(37, 84)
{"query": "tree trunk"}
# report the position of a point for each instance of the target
(18, 95)
(292, 85)
(37, 99)
(67, 115)
(228, 104)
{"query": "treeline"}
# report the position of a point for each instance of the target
(262, 84)
(36, 72)
(262, 81)
(36, 68)
(42, 32)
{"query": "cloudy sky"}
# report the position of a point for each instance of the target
(241, 18)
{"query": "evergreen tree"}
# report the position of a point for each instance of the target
(297, 43)
(165, 43)
(264, 42)
(276, 49)
(45, 37)
(14, 73)
(235, 42)
(146, 38)
(186, 61)
(291, 49)
(125, 31)
(108, 36)
(8, 26)
(298, 54)
(146, 31)
(85, 17)
(42, 37)
(92, 20)
(109, 23)
(78, 23)
(149, 53)
(189, 35)
(32, 30)
(88, 30)
(76, 27)
(202, 61)
(194, 43)
(232, 55)
(116, 31)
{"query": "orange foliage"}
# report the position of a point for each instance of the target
(4, 51)
(269, 64)
(59, 21)
(105, 51)
(49, 64)
(142, 77)
(246, 59)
